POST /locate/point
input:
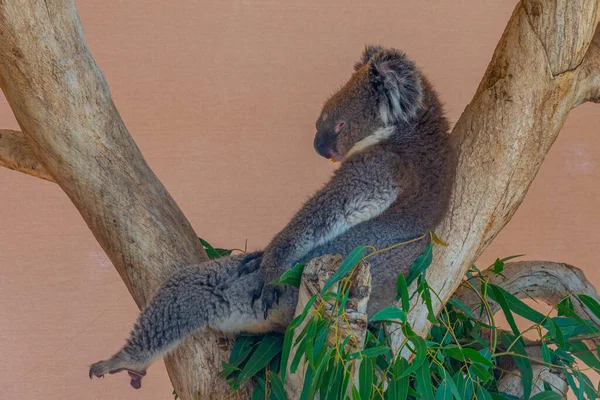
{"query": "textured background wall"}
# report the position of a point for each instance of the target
(222, 97)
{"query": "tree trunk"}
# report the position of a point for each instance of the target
(64, 108)
(546, 63)
(543, 67)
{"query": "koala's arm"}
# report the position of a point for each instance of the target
(363, 188)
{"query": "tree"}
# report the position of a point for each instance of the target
(546, 63)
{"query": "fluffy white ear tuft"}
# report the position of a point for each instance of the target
(397, 83)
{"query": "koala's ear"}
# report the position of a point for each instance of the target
(369, 52)
(397, 83)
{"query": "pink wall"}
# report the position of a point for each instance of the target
(221, 97)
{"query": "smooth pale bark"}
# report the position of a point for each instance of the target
(540, 70)
(64, 108)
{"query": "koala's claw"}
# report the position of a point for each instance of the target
(270, 296)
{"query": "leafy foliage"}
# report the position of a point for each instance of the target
(459, 359)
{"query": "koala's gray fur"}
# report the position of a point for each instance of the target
(387, 127)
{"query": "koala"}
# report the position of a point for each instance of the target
(387, 127)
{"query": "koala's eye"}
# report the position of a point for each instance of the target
(339, 126)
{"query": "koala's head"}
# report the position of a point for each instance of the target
(384, 92)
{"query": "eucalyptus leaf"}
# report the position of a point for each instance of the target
(347, 265)
(291, 277)
(268, 348)
(420, 265)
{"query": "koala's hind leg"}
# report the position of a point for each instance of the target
(217, 295)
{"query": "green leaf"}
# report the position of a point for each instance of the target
(565, 307)
(498, 266)
(476, 357)
(580, 350)
(443, 391)
(590, 303)
(337, 376)
(210, 251)
(546, 354)
(310, 338)
(277, 386)
(420, 265)
(268, 348)
(482, 394)
(319, 346)
(420, 350)
(454, 351)
(464, 386)
(291, 277)
(423, 288)
(318, 373)
(463, 307)
(242, 348)
(573, 326)
(450, 383)
(516, 305)
(259, 392)
(389, 314)
(350, 262)
(547, 395)
(300, 352)
(355, 393)
(555, 332)
(287, 347)
(398, 389)
(402, 292)
(424, 382)
(479, 371)
(371, 352)
(365, 378)
(522, 361)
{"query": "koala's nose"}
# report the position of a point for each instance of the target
(322, 145)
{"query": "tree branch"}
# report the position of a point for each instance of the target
(540, 280)
(16, 154)
(547, 281)
(64, 108)
(506, 131)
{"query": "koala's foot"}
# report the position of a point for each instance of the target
(115, 365)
